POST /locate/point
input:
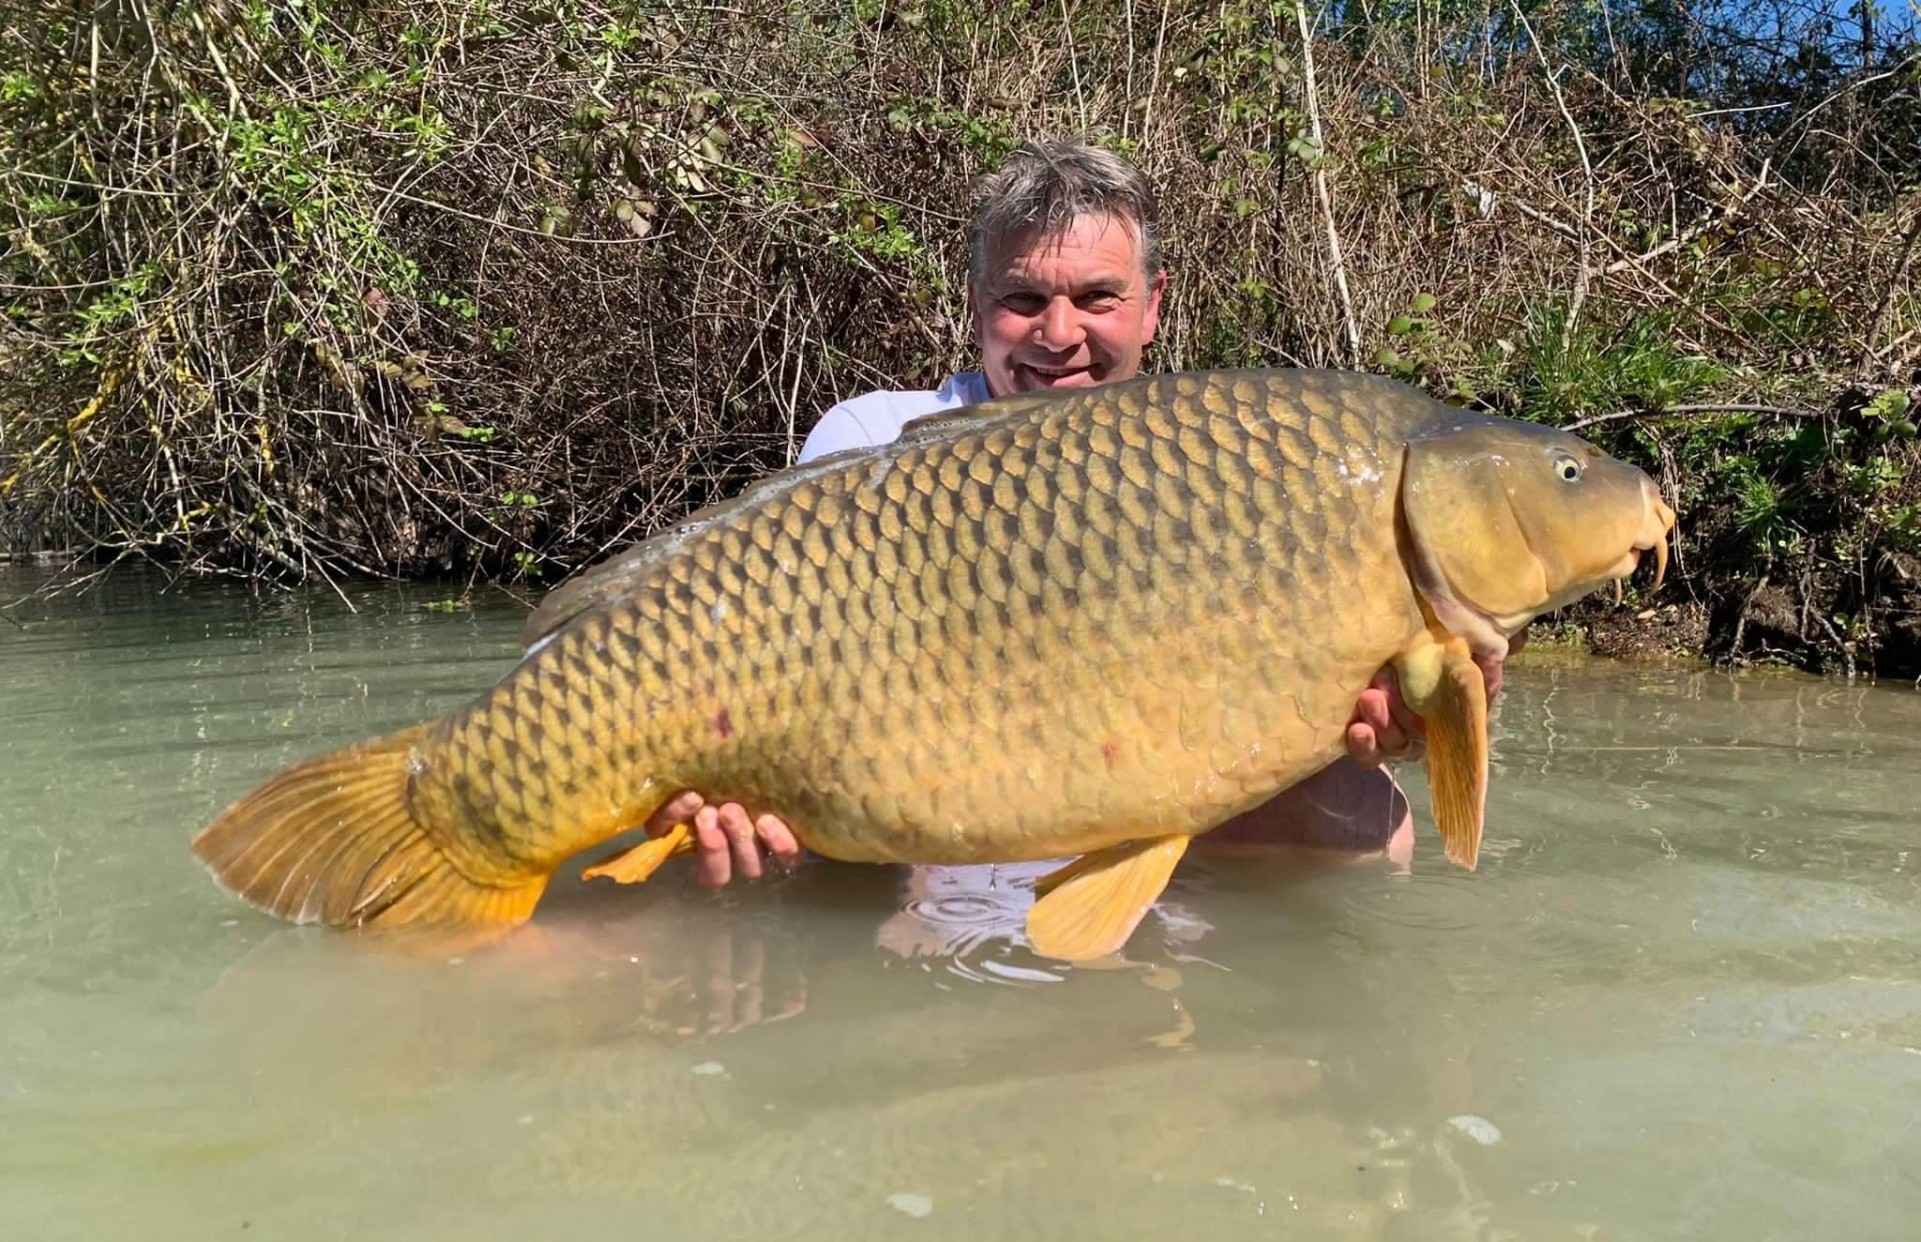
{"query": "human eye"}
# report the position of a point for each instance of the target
(1023, 302)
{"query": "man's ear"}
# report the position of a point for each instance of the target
(1151, 320)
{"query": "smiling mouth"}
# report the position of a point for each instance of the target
(1048, 375)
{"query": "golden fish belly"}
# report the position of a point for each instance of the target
(1059, 626)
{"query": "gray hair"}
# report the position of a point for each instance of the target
(1047, 185)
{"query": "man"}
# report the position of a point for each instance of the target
(1064, 286)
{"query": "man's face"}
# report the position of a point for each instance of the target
(1069, 311)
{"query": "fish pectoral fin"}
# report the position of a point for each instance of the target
(635, 865)
(1442, 683)
(1092, 905)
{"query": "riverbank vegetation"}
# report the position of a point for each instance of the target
(488, 288)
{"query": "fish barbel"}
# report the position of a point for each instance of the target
(1097, 624)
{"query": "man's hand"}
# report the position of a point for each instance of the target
(729, 838)
(1385, 728)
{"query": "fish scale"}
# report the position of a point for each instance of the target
(1094, 623)
(971, 697)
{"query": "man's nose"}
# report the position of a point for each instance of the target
(1059, 327)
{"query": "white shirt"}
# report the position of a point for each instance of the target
(876, 418)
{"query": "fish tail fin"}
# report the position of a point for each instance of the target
(335, 840)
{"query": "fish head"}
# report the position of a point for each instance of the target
(1507, 520)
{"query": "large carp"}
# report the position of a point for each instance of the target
(1094, 624)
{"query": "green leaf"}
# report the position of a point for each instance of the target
(1888, 405)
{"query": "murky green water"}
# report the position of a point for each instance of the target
(1680, 998)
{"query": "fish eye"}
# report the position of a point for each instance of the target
(1568, 468)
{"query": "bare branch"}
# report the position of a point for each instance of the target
(1338, 268)
(1707, 408)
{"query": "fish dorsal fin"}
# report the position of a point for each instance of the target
(584, 590)
(612, 578)
(608, 580)
(981, 415)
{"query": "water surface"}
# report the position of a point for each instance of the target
(1681, 997)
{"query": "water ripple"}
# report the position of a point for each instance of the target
(1427, 901)
(971, 920)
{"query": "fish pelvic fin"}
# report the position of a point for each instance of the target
(636, 865)
(1441, 682)
(335, 840)
(1093, 904)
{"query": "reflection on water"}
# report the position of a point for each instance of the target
(1681, 997)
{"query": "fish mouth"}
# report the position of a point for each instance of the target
(1657, 524)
